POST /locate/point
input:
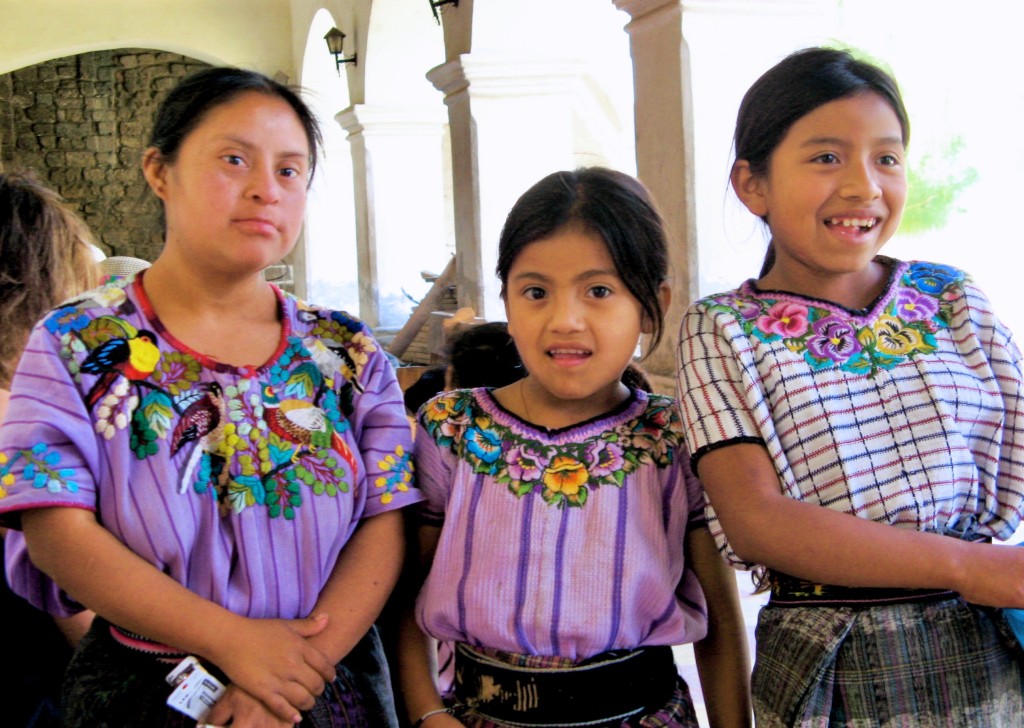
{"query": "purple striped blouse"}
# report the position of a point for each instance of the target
(909, 412)
(566, 542)
(242, 484)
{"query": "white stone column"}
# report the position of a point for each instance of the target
(511, 123)
(730, 43)
(397, 165)
(664, 152)
(733, 38)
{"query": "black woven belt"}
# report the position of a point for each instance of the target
(788, 591)
(605, 689)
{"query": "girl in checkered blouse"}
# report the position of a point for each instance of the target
(563, 532)
(857, 424)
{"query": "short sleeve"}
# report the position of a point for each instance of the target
(720, 401)
(48, 448)
(434, 465)
(694, 491)
(48, 456)
(716, 391)
(385, 438)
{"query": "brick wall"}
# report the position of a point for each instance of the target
(81, 124)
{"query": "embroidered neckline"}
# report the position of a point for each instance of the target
(564, 469)
(206, 360)
(895, 269)
(628, 408)
(899, 326)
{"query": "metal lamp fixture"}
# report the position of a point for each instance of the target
(436, 4)
(335, 40)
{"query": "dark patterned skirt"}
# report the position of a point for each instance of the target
(110, 686)
(940, 663)
(677, 712)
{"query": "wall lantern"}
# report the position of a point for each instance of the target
(436, 4)
(335, 40)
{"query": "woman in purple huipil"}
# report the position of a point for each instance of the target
(210, 464)
(563, 532)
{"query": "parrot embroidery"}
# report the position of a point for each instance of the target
(133, 356)
(304, 424)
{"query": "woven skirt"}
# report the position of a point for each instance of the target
(932, 664)
(110, 686)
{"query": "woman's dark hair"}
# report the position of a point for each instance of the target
(188, 102)
(793, 88)
(612, 205)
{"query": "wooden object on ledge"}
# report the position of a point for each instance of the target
(421, 313)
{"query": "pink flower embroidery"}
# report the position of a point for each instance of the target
(787, 320)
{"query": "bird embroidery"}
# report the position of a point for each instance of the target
(304, 424)
(202, 421)
(133, 355)
(331, 358)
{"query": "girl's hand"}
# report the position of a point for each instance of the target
(272, 661)
(991, 575)
(242, 710)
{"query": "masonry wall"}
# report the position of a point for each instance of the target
(81, 123)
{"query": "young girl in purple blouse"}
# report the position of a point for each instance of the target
(563, 532)
(211, 465)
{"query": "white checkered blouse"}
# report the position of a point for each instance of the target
(909, 412)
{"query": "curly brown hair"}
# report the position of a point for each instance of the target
(45, 257)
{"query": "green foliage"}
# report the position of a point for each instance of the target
(934, 184)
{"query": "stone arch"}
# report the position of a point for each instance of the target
(80, 124)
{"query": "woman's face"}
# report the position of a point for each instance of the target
(235, 195)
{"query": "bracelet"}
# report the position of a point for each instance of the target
(430, 714)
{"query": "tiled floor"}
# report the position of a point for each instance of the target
(751, 604)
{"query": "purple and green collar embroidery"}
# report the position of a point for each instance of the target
(917, 306)
(565, 473)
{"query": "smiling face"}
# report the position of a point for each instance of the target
(575, 324)
(235, 194)
(832, 196)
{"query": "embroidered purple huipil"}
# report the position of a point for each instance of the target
(566, 542)
(909, 413)
(243, 484)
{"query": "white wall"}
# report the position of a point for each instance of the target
(248, 33)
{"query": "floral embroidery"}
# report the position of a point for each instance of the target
(67, 320)
(6, 476)
(398, 469)
(788, 320)
(932, 278)
(906, 328)
(256, 443)
(41, 470)
(564, 474)
(834, 339)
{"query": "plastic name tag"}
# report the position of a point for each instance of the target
(195, 690)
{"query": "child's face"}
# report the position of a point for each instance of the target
(834, 191)
(574, 322)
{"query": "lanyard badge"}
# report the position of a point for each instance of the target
(195, 690)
